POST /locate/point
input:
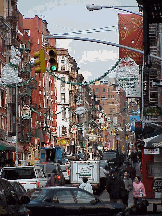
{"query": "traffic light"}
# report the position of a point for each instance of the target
(40, 61)
(53, 60)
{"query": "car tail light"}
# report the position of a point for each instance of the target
(37, 184)
(67, 170)
(59, 177)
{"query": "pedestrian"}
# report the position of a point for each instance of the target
(128, 188)
(85, 185)
(138, 190)
(52, 180)
(115, 185)
(134, 158)
(131, 170)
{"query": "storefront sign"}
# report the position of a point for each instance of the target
(157, 144)
(153, 145)
(151, 151)
(157, 185)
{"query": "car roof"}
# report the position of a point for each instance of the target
(59, 187)
(18, 167)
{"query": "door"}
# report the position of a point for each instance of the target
(88, 204)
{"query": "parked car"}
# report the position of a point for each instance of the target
(29, 176)
(65, 171)
(20, 190)
(71, 201)
(10, 203)
(32, 194)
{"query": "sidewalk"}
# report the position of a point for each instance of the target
(105, 197)
(149, 208)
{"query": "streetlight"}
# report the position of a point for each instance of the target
(9, 76)
(117, 142)
(92, 7)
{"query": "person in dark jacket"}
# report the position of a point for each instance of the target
(114, 185)
(131, 170)
(128, 187)
(52, 180)
(57, 179)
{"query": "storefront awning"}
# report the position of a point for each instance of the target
(153, 142)
(4, 146)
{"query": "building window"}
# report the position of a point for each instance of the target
(63, 115)
(62, 82)
(63, 130)
(103, 89)
(62, 97)
(96, 89)
(112, 110)
(28, 32)
(62, 67)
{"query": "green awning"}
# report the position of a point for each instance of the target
(4, 146)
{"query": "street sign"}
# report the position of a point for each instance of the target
(152, 151)
(157, 185)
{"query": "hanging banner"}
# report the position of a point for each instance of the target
(131, 35)
(133, 119)
(128, 77)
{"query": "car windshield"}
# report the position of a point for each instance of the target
(63, 168)
(18, 173)
(44, 194)
(50, 167)
(71, 195)
(109, 155)
(103, 164)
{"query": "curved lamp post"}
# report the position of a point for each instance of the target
(92, 7)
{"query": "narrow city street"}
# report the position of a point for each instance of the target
(81, 99)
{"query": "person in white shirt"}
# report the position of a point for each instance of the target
(85, 185)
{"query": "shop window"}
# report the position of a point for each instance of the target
(154, 169)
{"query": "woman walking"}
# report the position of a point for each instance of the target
(138, 190)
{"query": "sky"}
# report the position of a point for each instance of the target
(64, 16)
